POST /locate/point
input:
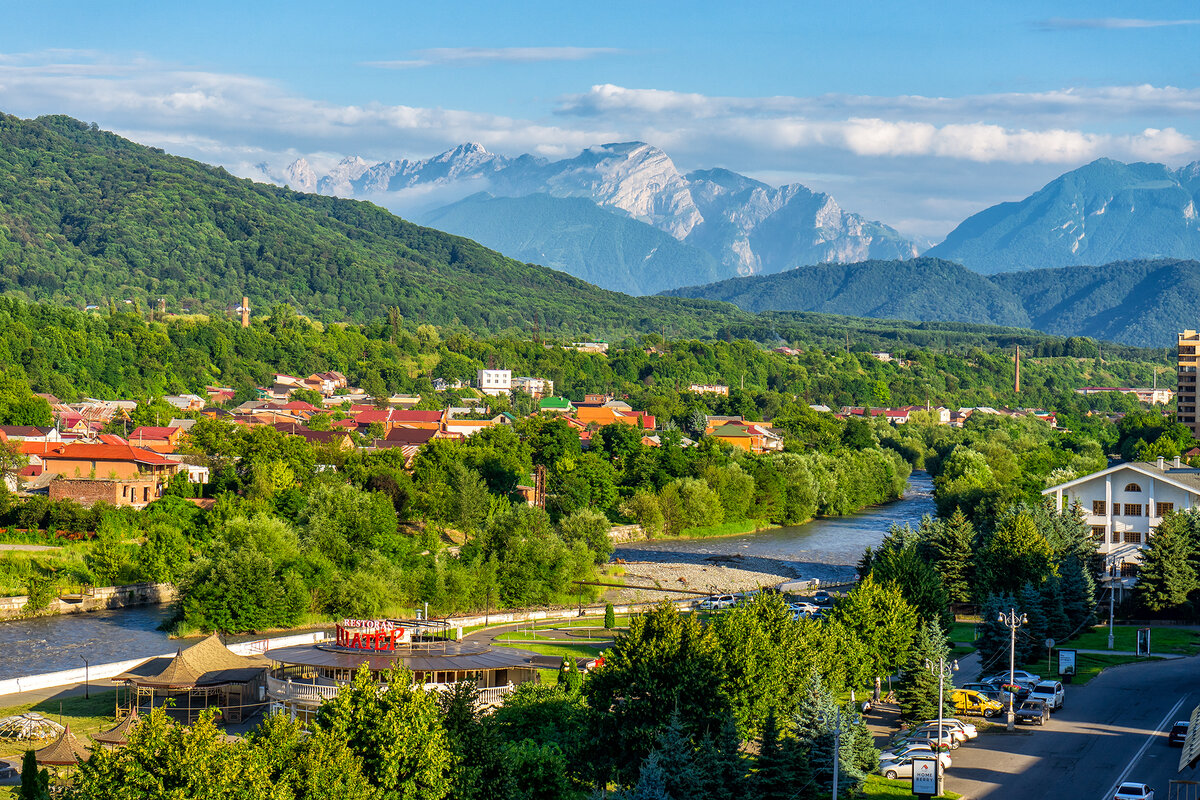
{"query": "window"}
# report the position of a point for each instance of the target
(1129, 570)
(1099, 508)
(1133, 509)
(1133, 537)
(1098, 533)
(1132, 487)
(1162, 509)
(1116, 536)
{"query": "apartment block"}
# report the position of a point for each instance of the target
(1186, 391)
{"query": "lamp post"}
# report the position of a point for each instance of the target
(838, 718)
(86, 682)
(944, 671)
(1012, 622)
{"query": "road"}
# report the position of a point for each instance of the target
(1112, 729)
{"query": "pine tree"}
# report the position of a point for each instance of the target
(1058, 627)
(1031, 638)
(918, 693)
(815, 718)
(676, 759)
(1079, 592)
(950, 544)
(993, 640)
(610, 617)
(652, 783)
(719, 765)
(35, 783)
(1166, 576)
(772, 778)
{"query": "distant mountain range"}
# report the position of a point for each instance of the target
(1102, 212)
(719, 220)
(1142, 302)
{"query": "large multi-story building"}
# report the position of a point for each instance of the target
(1186, 392)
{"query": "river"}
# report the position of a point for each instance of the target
(827, 549)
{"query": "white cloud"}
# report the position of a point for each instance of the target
(1108, 23)
(474, 56)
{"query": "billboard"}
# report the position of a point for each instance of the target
(1066, 662)
(924, 776)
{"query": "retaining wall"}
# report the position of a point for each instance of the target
(95, 599)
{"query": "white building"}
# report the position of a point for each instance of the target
(709, 388)
(537, 388)
(494, 381)
(1125, 503)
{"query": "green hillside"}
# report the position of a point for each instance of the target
(1141, 303)
(87, 217)
(574, 235)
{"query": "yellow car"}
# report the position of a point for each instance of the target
(967, 701)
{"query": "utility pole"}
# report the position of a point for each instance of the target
(1111, 594)
(1012, 622)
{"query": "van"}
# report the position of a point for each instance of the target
(968, 701)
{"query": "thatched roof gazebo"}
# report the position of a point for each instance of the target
(207, 674)
(65, 751)
(119, 734)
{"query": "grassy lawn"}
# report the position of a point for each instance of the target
(525, 636)
(962, 632)
(83, 715)
(1167, 639)
(725, 529)
(1089, 665)
(878, 786)
(562, 650)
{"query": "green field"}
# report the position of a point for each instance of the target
(84, 715)
(878, 786)
(1088, 665)
(1165, 639)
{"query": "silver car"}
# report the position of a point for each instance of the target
(902, 767)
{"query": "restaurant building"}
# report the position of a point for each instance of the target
(304, 676)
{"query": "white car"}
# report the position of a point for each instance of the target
(915, 747)
(805, 608)
(902, 767)
(1134, 791)
(968, 729)
(957, 735)
(1051, 692)
(717, 601)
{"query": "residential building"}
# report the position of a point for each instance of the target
(29, 433)
(1154, 396)
(135, 492)
(537, 388)
(495, 381)
(709, 388)
(160, 440)
(106, 461)
(555, 405)
(186, 402)
(588, 347)
(1188, 359)
(1125, 503)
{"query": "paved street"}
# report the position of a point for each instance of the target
(1112, 729)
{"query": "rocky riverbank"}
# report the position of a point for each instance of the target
(713, 574)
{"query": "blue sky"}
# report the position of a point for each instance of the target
(913, 113)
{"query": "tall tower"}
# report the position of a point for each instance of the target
(245, 312)
(1186, 393)
(1017, 372)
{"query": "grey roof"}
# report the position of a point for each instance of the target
(456, 656)
(1187, 478)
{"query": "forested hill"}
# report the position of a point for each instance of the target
(87, 217)
(1143, 303)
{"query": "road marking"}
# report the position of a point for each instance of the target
(1145, 746)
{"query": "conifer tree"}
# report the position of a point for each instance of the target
(773, 778)
(993, 640)
(1079, 592)
(950, 544)
(35, 783)
(1031, 638)
(610, 617)
(918, 692)
(676, 759)
(652, 783)
(1058, 627)
(1166, 577)
(719, 766)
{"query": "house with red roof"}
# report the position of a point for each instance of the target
(158, 439)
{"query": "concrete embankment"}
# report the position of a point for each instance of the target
(94, 598)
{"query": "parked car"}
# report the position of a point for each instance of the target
(1134, 791)
(1051, 692)
(805, 608)
(1019, 690)
(909, 748)
(955, 737)
(1178, 733)
(967, 701)
(717, 602)
(1035, 712)
(968, 729)
(902, 767)
(930, 739)
(822, 598)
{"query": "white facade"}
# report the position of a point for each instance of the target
(494, 381)
(535, 387)
(1124, 504)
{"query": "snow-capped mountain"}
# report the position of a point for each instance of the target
(747, 226)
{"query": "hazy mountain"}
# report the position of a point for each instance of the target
(1142, 302)
(746, 226)
(1102, 212)
(576, 236)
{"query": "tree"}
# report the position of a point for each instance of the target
(719, 765)
(35, 783)
(950, 543)
(1032, 640)
(882, 619)
(1167, 576)
(1016, 553)
(773, 777)
(918, 692)
(397, 734)
(993, 637)
(610, 617)
(651, 783)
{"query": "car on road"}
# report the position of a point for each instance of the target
(967, 701)
(968, 728)
(1134, 791)
(909, 748)
(717, 602)
(1051, 692)
(805, 608)
(1035, 712)
(1178, 733)
(902, 767)
(822, 598)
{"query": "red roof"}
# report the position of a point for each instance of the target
(299, 405)
(111, 438)
(108, 452)
(397, 415)
(150, 432)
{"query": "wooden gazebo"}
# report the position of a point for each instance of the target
(118, 735)
(206, 675)
(65, 751)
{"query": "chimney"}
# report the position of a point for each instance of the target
(245, 312)
(1161, 462)
(1176, 463)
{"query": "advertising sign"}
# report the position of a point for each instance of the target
(1066, 662)
(1143, 641)
(378, 636)
(924, 776)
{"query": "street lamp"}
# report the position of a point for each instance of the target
(1012, 622)
(944, 671)
(838, 719)
(86, 682)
